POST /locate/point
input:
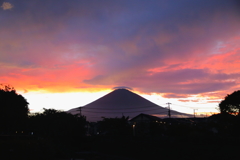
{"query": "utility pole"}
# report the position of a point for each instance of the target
(80, 110)
(194, 112)
(169, 110)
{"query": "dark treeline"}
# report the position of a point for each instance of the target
(52, 123)
(55, 134)
(47, 135)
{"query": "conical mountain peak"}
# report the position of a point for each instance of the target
(121, 99)
(121, 102)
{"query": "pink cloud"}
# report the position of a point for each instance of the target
(173, 95)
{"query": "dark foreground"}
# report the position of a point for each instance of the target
(120, 148)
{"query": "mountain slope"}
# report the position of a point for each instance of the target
(122, 102)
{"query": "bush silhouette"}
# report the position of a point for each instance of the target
(13, 110)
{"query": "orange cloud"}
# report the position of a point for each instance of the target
(7, 6)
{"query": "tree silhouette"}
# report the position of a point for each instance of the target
(13, 110)
(231, 104)
(115, 126)
(54, 124)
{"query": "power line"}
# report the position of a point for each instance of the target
(194, 107)
(95, 113)
(127, 110)
(157, 107)
(121, 111)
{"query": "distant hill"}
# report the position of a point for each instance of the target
(122, 102)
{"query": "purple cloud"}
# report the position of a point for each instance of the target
(186, 81)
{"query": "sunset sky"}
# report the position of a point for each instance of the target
(66, 53)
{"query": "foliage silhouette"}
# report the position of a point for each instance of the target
(115, 126)
(13, 110)
(54, 124)
(231, 104)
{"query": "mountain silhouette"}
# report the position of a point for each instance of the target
(122, 102)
